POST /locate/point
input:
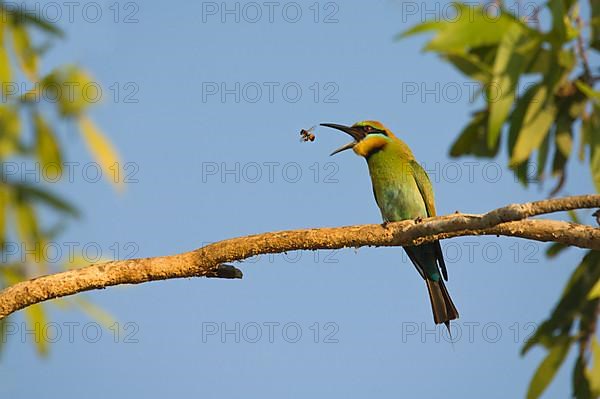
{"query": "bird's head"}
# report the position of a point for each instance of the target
(369, 137)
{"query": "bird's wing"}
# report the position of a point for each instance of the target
(424, 185)
(426, 190)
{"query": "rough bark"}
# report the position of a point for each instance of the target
(208, 261)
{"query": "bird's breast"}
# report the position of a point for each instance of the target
(396, 190)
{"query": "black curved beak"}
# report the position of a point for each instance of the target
(356, 133)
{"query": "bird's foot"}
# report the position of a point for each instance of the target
(418, 219)
(385, 224)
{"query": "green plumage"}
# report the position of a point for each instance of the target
(403, 191)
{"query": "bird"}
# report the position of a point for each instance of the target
(402, 191)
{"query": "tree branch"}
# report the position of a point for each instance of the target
(209, 261)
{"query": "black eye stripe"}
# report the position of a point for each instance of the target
(374, 131)
(371, 130)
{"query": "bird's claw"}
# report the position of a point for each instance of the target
(385, 224)
(418, 219)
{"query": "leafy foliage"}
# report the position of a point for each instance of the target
(50, 100)
(539, 128)
(505, 55)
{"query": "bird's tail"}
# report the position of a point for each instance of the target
(441, 303)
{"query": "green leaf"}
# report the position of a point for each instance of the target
(48, 150)
(558, 34)
(27, 225)
(567, 58)
(594, 374)
(486, 55)
(540, 61)
(595, 292)
(36, 321)
(19, 15)
(555, 248)
(584, 140)
(586, 328)
(4, 202)
(77, 90)
(571, 303)
(543, 156)
(5, 74)
(470, 65)
(10, 130)
(12, 273)
(548, 367)
(577, 106)
(564, 141)
(472, 140)
(32, 193)
(582, 280)
(588, 91)
(100, 148)
(420, 28)
(518, 115)
(508, 67)
(537, 121)
(558, 163)
(26, 54)
(595, 24)
(3, 336)
(594, 140)
(563, 138)
(472, 28)
(543, 60)
(573, 216)
(581, 385)
(516, 123)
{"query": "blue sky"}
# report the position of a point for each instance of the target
(207, 166)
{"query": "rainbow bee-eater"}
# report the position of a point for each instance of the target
(403, 191)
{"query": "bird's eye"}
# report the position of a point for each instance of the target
(367, 128)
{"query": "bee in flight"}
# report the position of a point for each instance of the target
(307, 135)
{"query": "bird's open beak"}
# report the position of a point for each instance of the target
(357, 135)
